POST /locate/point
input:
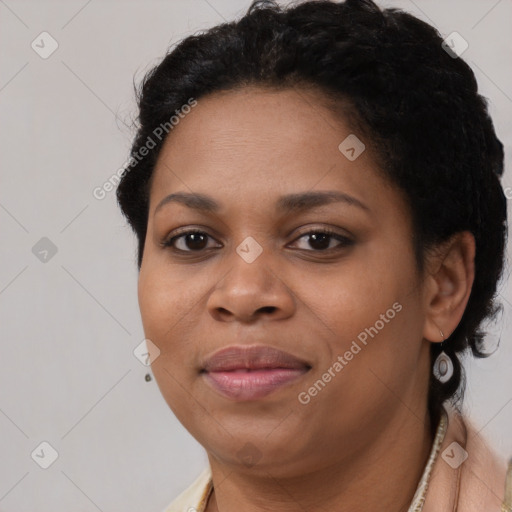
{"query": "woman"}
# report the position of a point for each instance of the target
(321, 227)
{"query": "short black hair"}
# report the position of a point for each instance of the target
(417, 104)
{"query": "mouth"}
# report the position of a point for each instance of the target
(244, 373)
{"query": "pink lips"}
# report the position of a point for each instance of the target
(251, 372)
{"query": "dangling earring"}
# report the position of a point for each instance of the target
(443, 366)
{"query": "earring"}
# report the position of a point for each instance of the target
(443, 366)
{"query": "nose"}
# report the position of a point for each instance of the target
(250, 292)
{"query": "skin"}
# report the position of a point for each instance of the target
(245, 149)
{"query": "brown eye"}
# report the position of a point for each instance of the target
(321, 240)
(189, 241)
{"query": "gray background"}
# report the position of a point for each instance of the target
(70, 324)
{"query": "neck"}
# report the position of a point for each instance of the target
(384, 476)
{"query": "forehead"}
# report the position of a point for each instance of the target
(255, 143)
(251, 121)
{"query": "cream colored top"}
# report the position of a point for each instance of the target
(195, 497)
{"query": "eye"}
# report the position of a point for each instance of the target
(195, 240)
(192, 240)
(321, 239)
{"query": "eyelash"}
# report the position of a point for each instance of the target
(344, 241)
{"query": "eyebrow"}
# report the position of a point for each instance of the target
(291, 203)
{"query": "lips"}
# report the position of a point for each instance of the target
(255, 357)
(251, 372)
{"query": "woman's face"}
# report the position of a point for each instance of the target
(346, 307)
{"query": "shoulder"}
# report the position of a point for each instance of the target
(194, 497)
(469, 475)
(484, 480)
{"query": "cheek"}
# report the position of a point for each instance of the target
(166, 311)
(355, 298)
(165, 299)
(155, 307)
(170, 303)
(370, 311)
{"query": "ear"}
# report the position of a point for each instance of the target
(450, 276)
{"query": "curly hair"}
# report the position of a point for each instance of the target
(417, 104)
